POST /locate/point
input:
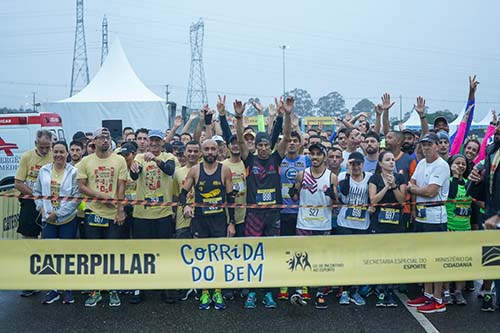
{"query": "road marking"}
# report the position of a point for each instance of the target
(422, 320)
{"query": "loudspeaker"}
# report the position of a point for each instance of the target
(172, 109)
(115, 128)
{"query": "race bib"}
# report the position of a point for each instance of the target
(98, 221)
(356, 213)
(212, 209)
(154, 199)
(313, 214)
(463, 211)
(266, 196)
(421, 213)
(284, 190)
(388, 215)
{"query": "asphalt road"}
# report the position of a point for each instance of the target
(28, 315)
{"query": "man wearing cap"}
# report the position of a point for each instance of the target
(263, 182)
(354, 217)
(441, 124)
(409, 142)
(249, 137)
(221, 144)
(153, 171)
(430, 183)
(444, 145)
(103, 175)
(178, 150)
(316, 185)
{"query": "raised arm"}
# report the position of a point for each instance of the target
(287, 131)
(177, 124)
(201, 123)
(420, 108)
(386, 106)
(239, 110)
(224, 125)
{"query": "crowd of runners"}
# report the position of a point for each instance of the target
(355, 166)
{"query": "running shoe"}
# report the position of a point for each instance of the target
(447, 299)
(136, 297)
(344, 298)
(469, 286)
(283, 293)
(459, 298)
(28, 293)
(68, 297)
(305, 293)
(419, 301)
(390, 300)
(365, 291)
(487, 305)
(298, 299)
(51, 297)
(432, 307)
(228, 295)
(357, 299)
(320, 302)
(114, 299)
(381, 300)
(339, 292)
(268, 301)
(204, 301)
(250, 301)
(218, 301)
(94, 298)
(186, 293)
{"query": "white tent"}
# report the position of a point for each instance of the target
(413, 122)
(484, 123)
(115, 93)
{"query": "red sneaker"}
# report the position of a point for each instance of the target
(432, 307)
(283, 293)
(419, 301)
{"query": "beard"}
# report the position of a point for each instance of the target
(209, 159)
(408, 148)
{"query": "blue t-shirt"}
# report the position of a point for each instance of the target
(288, 174)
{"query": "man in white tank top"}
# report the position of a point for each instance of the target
(314, 186)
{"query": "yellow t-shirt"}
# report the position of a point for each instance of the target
(155, 186)
(179, 179)
(30, 165)
(239, 184)
(55, 189)
(102, 176)
(130, 188)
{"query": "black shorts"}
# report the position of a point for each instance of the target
(161, 228)
(183, 233)
(350, 231)
(209, 226)
(430, 227)
(288, 225)
(29, 219)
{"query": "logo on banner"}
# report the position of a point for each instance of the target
(491, 256)
(92, 264)
(298, 261)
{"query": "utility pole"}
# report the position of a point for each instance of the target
(104, 39)
(80, 70)
(166, 94)
(401, 108)
(34, 101)
(283, 47)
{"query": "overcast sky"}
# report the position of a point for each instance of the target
(358, 48)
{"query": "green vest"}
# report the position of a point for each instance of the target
(459, 212)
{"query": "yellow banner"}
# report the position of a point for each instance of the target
(249, 262)
(9, 215)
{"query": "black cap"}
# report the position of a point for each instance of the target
(408, 131)
(438, 119)
(430, 137)
(261, 136)
(356, 157)
(233, 137)
(79, 136)
(320, 147)
(127, 148)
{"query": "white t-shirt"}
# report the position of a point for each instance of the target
(437, 172)
(354, 217)
(312, 192)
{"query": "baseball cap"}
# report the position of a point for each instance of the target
(430, 137)
(356, 157)
(438, 119)
(233, 137)
(179, 146)
(155, 133)
(320, 147)
(127, 148)
(442, 135)
(262, 136)
(408, 131)
(101, 131)
(249, 132)
(79, 136)
(218, 138)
